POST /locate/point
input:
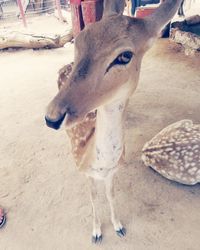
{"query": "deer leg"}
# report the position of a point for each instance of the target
(96, 233)
(120, 230)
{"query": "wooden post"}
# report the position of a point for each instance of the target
(19, 3)
(59, 10)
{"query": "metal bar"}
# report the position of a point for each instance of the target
(59, 10)
(19, 3)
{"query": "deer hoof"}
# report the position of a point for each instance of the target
(97, 239)
(121, 232)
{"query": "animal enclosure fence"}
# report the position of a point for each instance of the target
(34, 24)
(23, 9)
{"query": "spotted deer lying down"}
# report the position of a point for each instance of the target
(175, 152)
(93, 99)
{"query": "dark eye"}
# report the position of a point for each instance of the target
(122, 59)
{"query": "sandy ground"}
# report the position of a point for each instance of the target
(47, 200)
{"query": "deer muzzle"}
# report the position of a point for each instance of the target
(58, 111)
(55, 124)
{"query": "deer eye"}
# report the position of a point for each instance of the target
(122, 59)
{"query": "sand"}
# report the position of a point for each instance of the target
(47, 200)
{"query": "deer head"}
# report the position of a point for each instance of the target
(107, 59)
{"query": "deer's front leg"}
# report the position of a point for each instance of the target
(120, 230)
(96, 233)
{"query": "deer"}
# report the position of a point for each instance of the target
(174, 152)
(93, 97)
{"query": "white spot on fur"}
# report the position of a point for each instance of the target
(192, 170)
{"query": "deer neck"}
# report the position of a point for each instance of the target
(110, 123)
(109, 132)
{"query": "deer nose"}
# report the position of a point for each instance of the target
(55, 124)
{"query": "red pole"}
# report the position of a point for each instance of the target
(59, 10)
(19, 3)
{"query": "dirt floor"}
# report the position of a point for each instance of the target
(47, 200)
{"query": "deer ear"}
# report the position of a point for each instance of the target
(163, 14)
(113, 7)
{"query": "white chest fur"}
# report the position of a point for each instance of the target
(109, 139)
(109, 135)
